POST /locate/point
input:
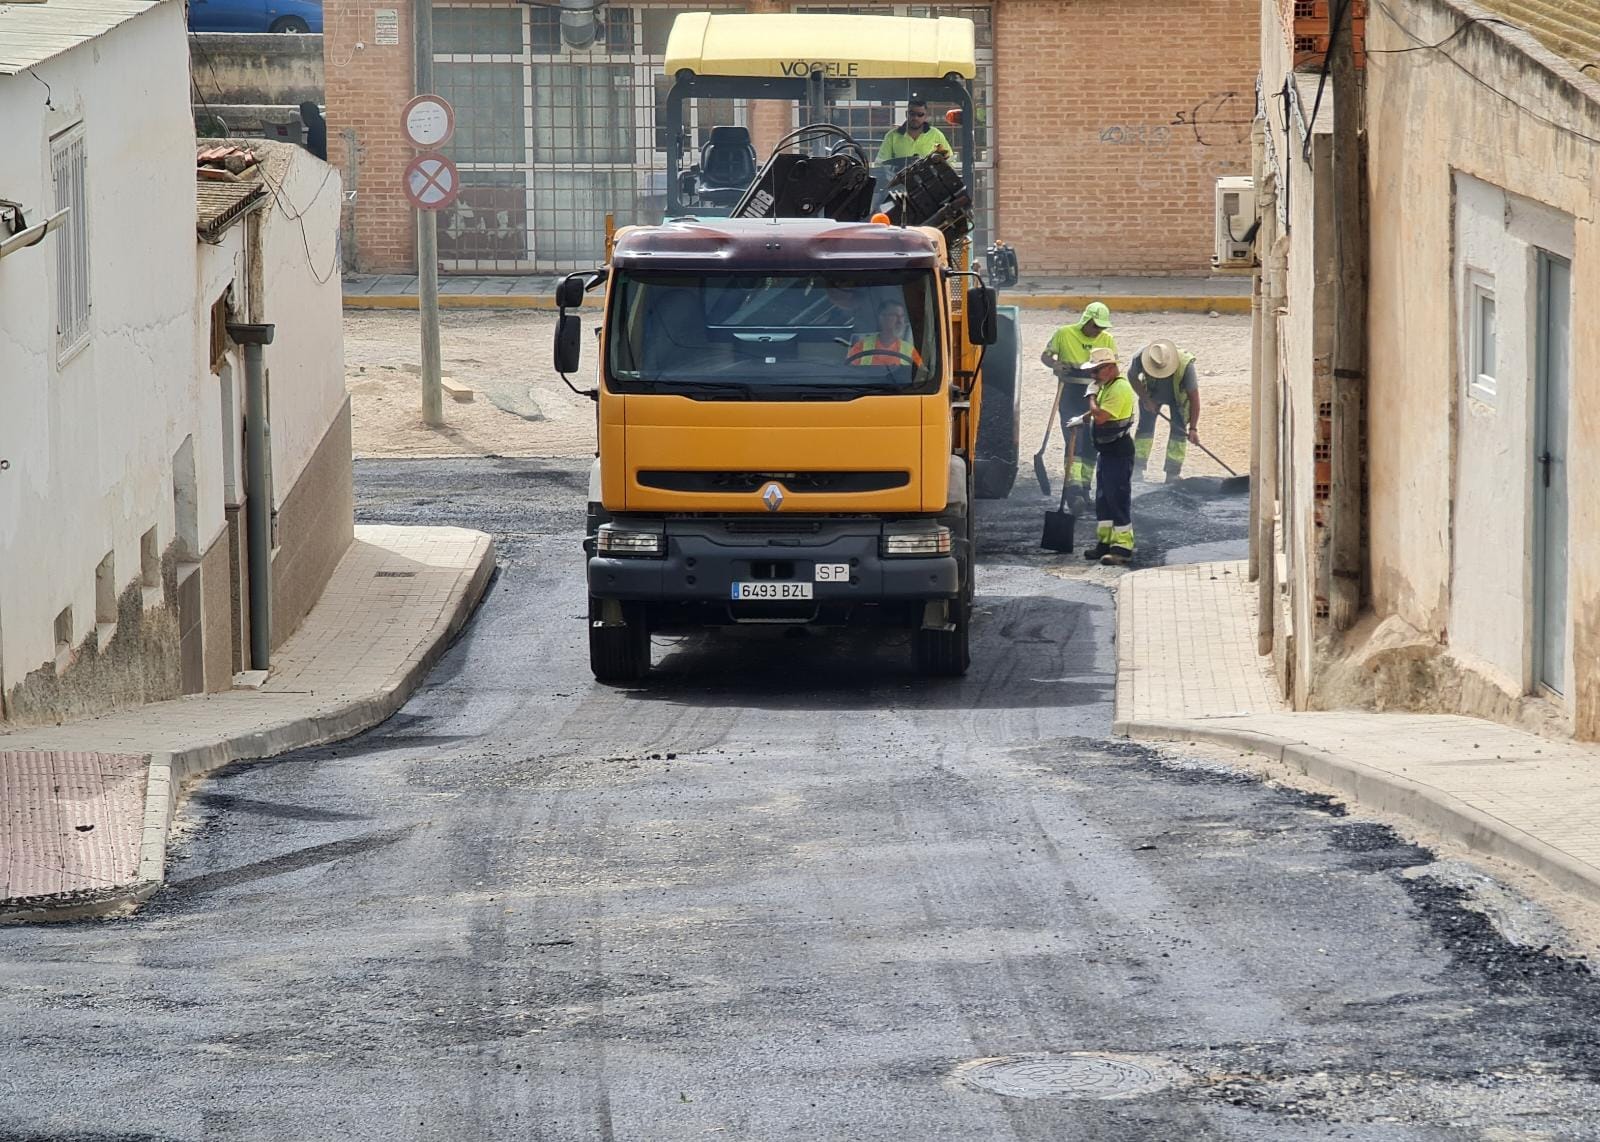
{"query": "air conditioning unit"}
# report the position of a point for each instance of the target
(1236, 222)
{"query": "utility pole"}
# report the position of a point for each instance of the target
(427, 236)
(1350, 323)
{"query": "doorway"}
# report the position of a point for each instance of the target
(1553, 360)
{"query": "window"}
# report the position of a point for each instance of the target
(1482, 361)
(67, 168)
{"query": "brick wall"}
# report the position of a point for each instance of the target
(1114, 120)
(367, 87)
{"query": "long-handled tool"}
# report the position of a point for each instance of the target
(1058, 525)
(1234, 482)
(1039, 472)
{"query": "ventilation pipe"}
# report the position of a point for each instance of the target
(580, 22)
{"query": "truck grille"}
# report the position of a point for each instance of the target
(800, 483)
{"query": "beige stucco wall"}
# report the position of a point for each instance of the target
(1437, 516)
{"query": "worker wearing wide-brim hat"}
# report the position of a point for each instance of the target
(1164, 375)
(1067, 352)
(1110, 420)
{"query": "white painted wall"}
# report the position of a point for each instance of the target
(302, 296)
(1498, 236)
(90, 441)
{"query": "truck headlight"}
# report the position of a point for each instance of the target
(918, 543)
(619, 539)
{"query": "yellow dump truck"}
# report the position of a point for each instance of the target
(788, 398)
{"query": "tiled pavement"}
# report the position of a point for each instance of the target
(84, 807)
(1187, 670)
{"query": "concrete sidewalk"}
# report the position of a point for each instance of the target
(85, 807)
(1222, 293)
(1187, 671)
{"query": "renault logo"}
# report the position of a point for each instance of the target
(772, 496)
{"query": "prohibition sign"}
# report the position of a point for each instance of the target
(432, 182)
(428, 121)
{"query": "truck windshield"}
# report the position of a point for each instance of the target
(774, 336)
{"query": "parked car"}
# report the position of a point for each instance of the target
(255, 15)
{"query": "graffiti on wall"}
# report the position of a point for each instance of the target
(1220, 119)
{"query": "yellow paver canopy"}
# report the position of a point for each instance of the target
(842, 47)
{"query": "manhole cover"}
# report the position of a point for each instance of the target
(1080, 1074)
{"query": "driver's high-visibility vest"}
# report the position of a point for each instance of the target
(895, 351)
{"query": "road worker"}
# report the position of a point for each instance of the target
(1068, 350)
(1111, 410)
(1163, 374)
(913, 138)
(887, 346)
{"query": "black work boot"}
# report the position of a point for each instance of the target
(1096, 553)
(1117, 557)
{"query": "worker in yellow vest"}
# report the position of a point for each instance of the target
(1066, 354)
(1164, 375)
(913, 138)
(1112, 407)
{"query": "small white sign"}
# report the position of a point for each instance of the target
(386, 26)
(833, 572)
(428, 121)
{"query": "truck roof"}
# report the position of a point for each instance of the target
(777, 244)
(841, 46)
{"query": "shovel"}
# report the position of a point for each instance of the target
(1059, 523)
(1039, 472)
(1234, 482)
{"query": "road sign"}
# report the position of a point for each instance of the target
(432, 182)
(428, 121)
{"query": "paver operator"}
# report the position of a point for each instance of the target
(1067, 352)
(1163, 374)
(913, 138)
(1110, 421)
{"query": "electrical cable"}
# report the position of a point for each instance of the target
(1479, 80)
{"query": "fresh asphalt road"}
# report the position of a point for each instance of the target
(785, 890)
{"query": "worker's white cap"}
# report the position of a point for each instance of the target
(1160, 359)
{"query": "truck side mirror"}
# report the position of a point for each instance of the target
(569, 341)
(983, 316)
(569, 292)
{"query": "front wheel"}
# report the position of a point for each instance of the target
(293, 24)
(618, 653)
(947, 653)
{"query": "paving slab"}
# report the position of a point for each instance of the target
(85, 807)
(1187, 671)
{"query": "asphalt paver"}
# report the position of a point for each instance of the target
(784, 889)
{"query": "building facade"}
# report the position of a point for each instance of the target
(1482, 418)
(118, 437)
(1101, 128)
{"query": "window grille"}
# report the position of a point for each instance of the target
(68, 168)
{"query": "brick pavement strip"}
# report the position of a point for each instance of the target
(85, 807)
(1187, 671)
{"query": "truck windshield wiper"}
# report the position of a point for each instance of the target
(684, 388)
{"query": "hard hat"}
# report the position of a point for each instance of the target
(1160, 359)
(1097, 312)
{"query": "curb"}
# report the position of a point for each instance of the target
(170, 772)
(1385, 792)
(1228, 303)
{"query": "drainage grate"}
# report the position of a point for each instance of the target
(395, 575)
(1080, 1074)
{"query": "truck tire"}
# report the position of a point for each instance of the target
(948, 653)
(999, 418)
(619, 654)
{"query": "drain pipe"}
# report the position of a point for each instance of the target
(258, 506)
(1266, 537)
(580, 22)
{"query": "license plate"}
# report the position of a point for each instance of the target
(771, 590)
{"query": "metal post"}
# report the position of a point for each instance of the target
(258, 499)
(427, 237)
(1350, 326)
(817, 96)
(1257, 363)
(1266, 537)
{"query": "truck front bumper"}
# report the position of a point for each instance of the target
(704, 559)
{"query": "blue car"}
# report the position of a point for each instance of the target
(255, 15)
